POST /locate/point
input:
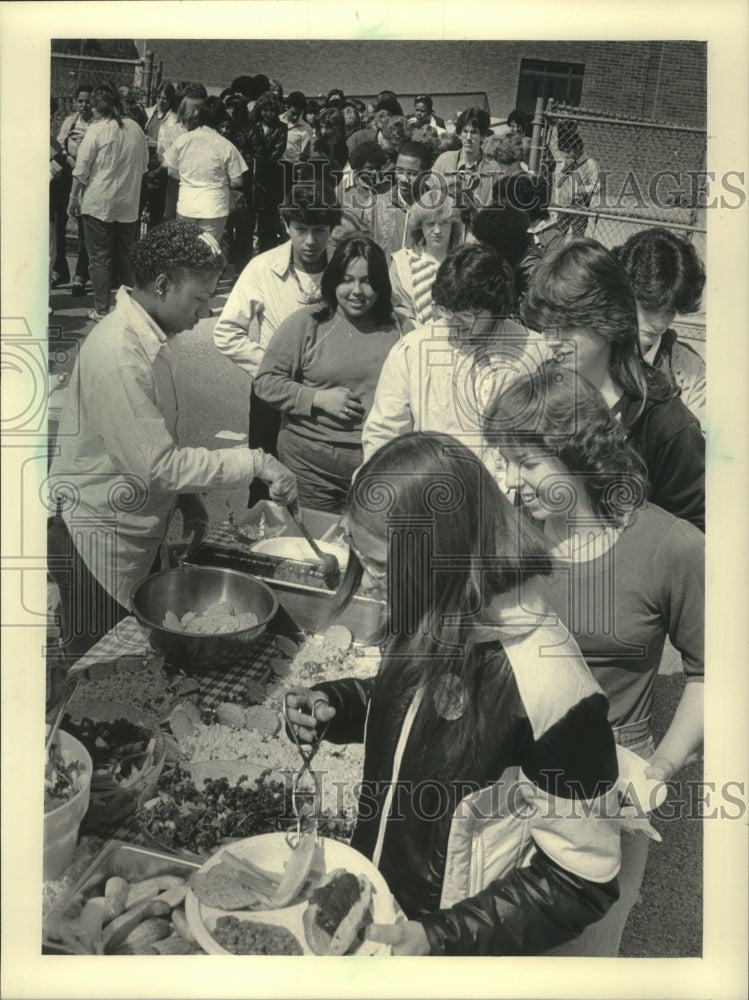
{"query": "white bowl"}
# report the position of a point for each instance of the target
(271, 851)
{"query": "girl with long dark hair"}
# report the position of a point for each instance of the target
(321, 367)
(477, 748)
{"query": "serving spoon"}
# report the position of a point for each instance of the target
(331, 571)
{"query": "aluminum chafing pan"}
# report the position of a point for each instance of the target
(115, 858)
(302, 608)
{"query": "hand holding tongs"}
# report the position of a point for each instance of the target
(307, 752)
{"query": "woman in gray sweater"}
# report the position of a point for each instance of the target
(321, 368)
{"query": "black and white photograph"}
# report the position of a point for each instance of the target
(369, 517)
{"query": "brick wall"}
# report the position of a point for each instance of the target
(660, 80)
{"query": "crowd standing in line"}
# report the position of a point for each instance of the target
(413, 307)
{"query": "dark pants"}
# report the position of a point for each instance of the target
(60, 209)
(267, 222)
(156, 197)
(171, 197)
(323, 471)
(109, 245)
(88, 610)
(239, 236)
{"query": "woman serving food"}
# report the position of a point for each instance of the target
(466, 722)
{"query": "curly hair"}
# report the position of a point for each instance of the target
(504, 229)
(583, 285)
(266, 100)
(368, 154)
(503, 148)
(664, 269)
(475, 277)
(558, 412)
(352, 248)
(176, 248)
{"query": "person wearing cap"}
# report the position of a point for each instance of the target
(121, 470)
(299, 130)
(424, 114)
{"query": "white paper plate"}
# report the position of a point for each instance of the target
(299, 549)
(639, 791)
(271, 851)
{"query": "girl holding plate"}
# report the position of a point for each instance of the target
(489, 770)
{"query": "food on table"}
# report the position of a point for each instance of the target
(141, 685)
(128, 918)
(217, 619)
(262, 720)
(182, 817)
(254, 691)
(61, 779)
(338, 909)
(229, 714)
(250, 937)
(121, 751)
(184, 719)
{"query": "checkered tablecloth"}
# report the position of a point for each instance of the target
(127, 642)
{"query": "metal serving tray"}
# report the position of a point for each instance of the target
(115, 858)
(302, 608)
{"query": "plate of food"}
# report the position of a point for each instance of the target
(260, 896)
(636, 790)
(299, 550)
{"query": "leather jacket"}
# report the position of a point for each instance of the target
(482, 857)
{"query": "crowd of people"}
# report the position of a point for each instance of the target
(497, 406)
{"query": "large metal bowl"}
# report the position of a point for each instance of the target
(194, 588)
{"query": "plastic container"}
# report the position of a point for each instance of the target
(61, 825)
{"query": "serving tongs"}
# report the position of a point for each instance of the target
(331, 571)
(306, 788)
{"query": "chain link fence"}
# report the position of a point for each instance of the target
(68, 72)
(649, 174)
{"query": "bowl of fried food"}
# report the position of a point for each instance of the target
(203, 618)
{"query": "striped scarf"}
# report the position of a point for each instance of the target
(423, 271)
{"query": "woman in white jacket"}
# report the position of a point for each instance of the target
(440, 377)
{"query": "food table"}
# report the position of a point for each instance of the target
(224, 725)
